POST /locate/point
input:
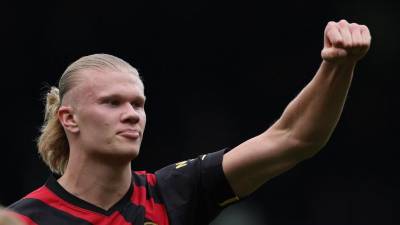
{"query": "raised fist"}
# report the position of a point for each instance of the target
(345, 41)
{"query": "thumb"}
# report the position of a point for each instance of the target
(329, 53)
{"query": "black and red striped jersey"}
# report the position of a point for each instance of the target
(184, 193)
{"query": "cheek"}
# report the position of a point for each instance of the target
(143, 119)
(102, 133)
(97, 123)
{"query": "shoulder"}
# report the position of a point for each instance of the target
(194, 189)
(27, 207)
(41, 194)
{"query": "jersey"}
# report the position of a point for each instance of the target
(190, 192)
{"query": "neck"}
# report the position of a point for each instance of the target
(95, 182)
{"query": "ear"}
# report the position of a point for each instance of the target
(67, 119)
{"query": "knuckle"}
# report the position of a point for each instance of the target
(331, 23)
(343, 22)
(354, 26)
(364, 28)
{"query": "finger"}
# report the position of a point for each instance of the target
(365, 35)
(345, 32)
(333, 36)
(357, 39)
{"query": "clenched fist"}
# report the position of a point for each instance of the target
(345, 41)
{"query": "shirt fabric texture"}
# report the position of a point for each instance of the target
(191, 192)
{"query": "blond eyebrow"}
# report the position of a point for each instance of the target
(108, 96)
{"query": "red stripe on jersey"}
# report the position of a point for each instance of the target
(47, 196)
(151, 179)
(140, 172)
(153, 211)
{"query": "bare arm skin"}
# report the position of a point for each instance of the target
(308, 121)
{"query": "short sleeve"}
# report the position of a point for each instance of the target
(196, 190)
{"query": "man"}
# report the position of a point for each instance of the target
(94, 126)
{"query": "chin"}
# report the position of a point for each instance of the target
(120, 156)
(129, 151)
(134, 154)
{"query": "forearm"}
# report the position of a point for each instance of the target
(313, 114)
(310, 118)
(304, 127)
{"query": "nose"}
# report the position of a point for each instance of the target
(130, 114)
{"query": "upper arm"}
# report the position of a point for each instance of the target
(261, 158)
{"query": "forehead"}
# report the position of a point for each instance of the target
(99, 83)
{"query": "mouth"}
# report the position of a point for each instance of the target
(130, 134)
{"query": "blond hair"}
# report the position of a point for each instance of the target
(52, 143)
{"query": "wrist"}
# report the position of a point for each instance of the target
(345, 63)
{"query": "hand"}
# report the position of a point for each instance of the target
(344, 41)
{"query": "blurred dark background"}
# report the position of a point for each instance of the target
(217, 73)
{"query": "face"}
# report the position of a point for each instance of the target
(109, 113)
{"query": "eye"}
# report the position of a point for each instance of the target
(138, 104)
(113, 102)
